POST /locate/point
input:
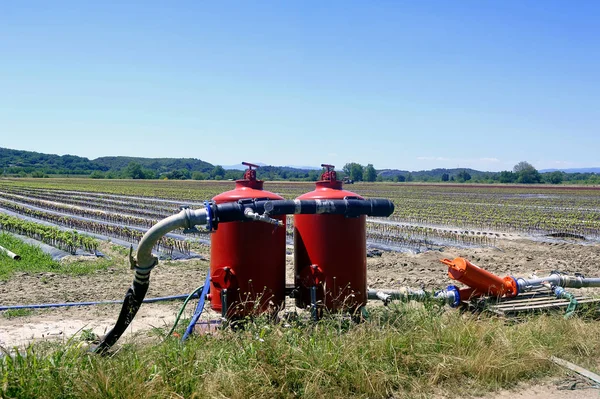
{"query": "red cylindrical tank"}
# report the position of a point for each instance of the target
(330, 251)
(247, 258)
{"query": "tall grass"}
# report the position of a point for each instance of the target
(402, 351)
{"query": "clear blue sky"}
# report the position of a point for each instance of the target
(408, 85)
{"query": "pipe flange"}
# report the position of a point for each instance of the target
(209, 217)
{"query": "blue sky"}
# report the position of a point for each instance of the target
(407, 85)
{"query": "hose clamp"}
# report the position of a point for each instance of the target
(209, 216)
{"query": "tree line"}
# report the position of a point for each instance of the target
(27, 163)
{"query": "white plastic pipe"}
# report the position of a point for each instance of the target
(9, 253)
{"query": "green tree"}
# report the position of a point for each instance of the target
(369, 173)
(179, 174)
(526, 173)
(554, 177)
(507, 177)
(97, 175)
(218, 173)
(445, 177)
(134, 171)
(354, 171)
(463, 176)
(199, 176)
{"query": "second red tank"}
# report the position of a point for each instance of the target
(330, 252)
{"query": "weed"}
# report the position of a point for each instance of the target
(13, 313)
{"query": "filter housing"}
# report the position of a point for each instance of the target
(330, 252)
(247, 258)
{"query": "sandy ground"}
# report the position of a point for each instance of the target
(518, 257)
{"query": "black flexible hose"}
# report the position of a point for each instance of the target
(133, 300)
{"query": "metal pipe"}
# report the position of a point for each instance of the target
(449, 296)
(10, 254)
(557, 280)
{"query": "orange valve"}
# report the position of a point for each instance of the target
(481, 281)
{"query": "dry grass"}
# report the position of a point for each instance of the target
(401, 352)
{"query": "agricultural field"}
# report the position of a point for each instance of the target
(88, 225)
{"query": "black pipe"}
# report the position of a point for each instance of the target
(235, 211)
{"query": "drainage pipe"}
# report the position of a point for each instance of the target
(10, 254)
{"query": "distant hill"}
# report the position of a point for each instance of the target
(573, 170)
(159, 165)
(434, 174)
(15, 161)
(30, 163)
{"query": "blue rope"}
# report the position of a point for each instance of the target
(199, 308)
(69, 304)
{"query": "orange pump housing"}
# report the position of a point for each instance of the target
(248, 258)
(330, 251)
(480, 281)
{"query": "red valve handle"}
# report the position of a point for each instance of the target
(311, 276)
(224, 278)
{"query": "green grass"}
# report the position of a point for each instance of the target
(13, 313)
(34, 260)
(404, 351)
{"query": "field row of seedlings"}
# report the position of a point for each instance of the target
(403, 237)
(69, 241)
(92, 198)
(180, 190)
(94, 203)
(529, 210)
(419, 237)
(499, 219)
(111, 217)
(166, 245)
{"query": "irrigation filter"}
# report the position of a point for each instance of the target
(248, 258)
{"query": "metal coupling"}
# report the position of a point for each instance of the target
(250, 214)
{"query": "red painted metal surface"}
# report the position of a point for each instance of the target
(330, 250)
(247, 258)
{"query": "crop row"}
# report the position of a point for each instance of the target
(153, 212)
(111, 217)
(165, 244)
(531, 210)
(68, 241)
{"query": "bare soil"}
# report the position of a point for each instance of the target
(518, 257)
